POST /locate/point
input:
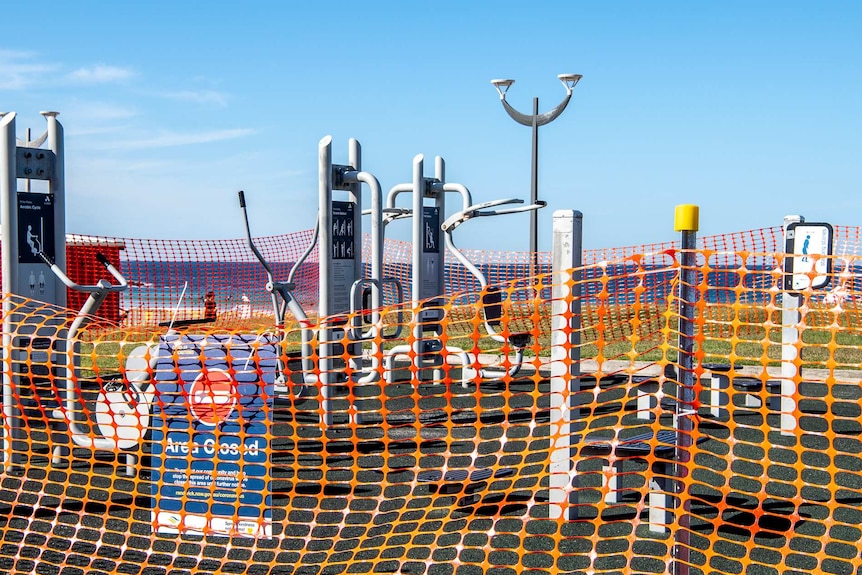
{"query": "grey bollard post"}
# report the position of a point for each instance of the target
(686, 221)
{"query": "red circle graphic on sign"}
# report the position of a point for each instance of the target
(212, 396)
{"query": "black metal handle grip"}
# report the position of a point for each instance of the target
(241, 199)
(102, 259)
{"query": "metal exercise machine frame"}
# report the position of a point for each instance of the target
(492, 300)
(45, 220)
(113, 402)
(428, 264)
(345, 297)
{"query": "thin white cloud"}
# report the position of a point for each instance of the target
(89, 118)
(101, 74)
(99, 111)
(175, 139)
(210, 97)
(98, 130)
(18, 70)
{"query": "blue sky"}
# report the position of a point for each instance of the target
(750, 110)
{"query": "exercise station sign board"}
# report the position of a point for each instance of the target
(211, 433)
(808, 263)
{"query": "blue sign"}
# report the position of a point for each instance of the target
(211, 431)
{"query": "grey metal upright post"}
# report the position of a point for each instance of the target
(32, 222)
(57, 188)
(686, 222)
(354, 188)
(9, 208)
(427, 268)
(341, 272)
(8, 221)
(567, 258)
(325, 305)
(534, 192)
(340, 262)
(418, 232)
(440, 176)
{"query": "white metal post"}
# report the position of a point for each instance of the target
(790, 318)
(565, 357)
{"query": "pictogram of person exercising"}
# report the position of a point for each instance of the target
(34, 241)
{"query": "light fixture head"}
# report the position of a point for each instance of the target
(570, 80)
(502, 86)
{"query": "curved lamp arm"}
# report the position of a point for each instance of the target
(569, 82)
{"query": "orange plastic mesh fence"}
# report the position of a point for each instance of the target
(382, 446)
(171, 278)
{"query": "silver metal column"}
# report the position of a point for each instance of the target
(8, 221)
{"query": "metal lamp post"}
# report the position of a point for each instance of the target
(535, 120)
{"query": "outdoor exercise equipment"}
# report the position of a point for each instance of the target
(428, 267)
(343, 287)
(428, 327)
(491, 307)
(121, 415)
(32, 222)
(281, 294)
(33, 236)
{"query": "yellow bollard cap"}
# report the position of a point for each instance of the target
(685, 218)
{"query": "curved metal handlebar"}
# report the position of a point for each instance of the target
(481, 210)
(101, 286)
(98, 294)
(478, 210)
(281, 294)
(392, 213)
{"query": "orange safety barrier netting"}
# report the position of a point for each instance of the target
(442, 449)
(169, 276)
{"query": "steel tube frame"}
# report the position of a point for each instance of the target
(8, 221)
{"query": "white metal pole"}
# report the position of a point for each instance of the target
(790, 318)
(565, 358)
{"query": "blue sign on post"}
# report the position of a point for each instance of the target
(211, 433)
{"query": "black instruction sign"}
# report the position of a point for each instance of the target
(35, 227)
(343, 238)
(431, 231)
